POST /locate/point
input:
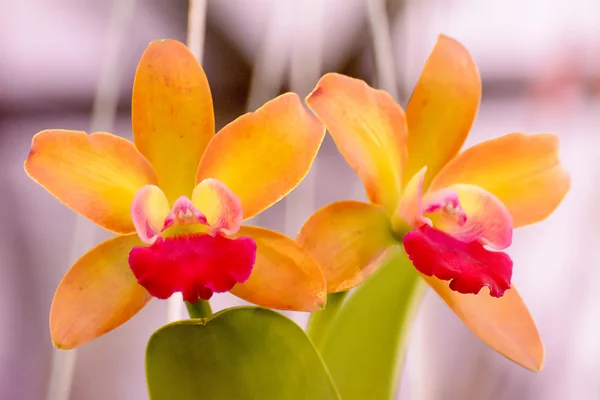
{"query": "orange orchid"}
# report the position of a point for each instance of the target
(176, 197)
(441, 205)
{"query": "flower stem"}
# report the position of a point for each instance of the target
(320, 321)
(199, 309)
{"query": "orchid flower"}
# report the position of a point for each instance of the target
(176, 197)
(452, 212)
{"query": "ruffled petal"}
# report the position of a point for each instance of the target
(222, 208)
(262, 156)
(522, 171)
(442, 108)
(504, 324)
(349, 240)
(98, 294)
(468, 266)
(149, 209)
(95, 175)
(172, 114)
(369, 129)
(197, 265)
(285, 276)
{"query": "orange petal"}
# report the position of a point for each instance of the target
(95, 175)
(369, 129)
(172, 114)
(350, 240)
(409, 212)
(285, 275)
(523, 171)
(220, 206)
(262, 156)
(442, 107)
(148, 212)
(98, 294)
(487, 219)
(502, 323)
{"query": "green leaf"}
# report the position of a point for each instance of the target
(240, 353)
(366, 342)
(320, 322)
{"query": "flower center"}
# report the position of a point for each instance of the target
(212, 205)
(184, 213)
(446, 203)
(199, 259)
(448, 245)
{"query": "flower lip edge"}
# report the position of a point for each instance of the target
(468, 266)
(193, 264)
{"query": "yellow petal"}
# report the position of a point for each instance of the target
(409, 212)
(220, 206)
(350, 240)
(369, 129)
(149, 210)
(523, 171)
(285, 275)
(502, 323)
(172, 114)
(95, 175)
(442, 108)
(262, 156)
(98, 294)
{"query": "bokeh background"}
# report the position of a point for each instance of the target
(540, 64)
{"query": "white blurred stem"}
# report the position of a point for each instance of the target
(272, 57)
(307, 47)
(175, 307)
(103, 117)
(196, 27)
(382, 46)
(270, 63)
(305, 71)
(61, 374)
(195, 42)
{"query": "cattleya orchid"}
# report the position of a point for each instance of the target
(176, 197)
(453, 212)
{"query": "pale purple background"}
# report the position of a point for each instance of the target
(540, 62)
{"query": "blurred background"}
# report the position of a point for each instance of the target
(540, 64)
